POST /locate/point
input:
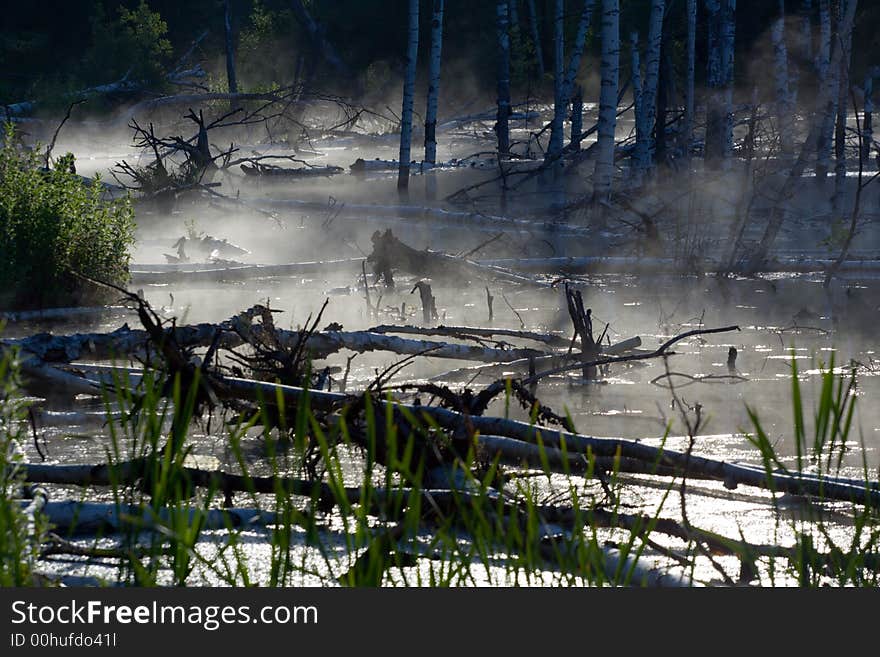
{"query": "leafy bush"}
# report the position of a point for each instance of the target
(53, 224)
(20, 534)
(133, 44)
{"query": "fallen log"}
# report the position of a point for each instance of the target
(47, 348)
(163, 274)
(470, 332)
(648, 265)
(732, 475)
(281, 172)
(56, 314)
(528, 364)
(390, 253)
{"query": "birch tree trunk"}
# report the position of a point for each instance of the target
(713, 146)
(784, 104)
(554, 149)
(502, 128)
(434, 83)
(603, 175)
(513, 13)
(577, 50)
(845, 38)
(230, 54)
(638, 107)
(577, 118)
(536, 37)
(728, 43)
(778, 212)
(868, 121)
(568, 81)
(409, 84)
(644, 129)
(687, 135)
(828, 81)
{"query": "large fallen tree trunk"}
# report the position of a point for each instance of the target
(123, 342)
(732, 475)
(155, 274)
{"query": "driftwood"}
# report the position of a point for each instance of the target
(649, 265)
(470, 332)
(389, 253)
(162, 274)
(47, 348)
(281, 172)
(732, 475)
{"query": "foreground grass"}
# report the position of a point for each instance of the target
(327, 512)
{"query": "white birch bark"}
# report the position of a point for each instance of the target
(644, 129)
(577, 50)
(502, 128)
(845, 38)
(714, 81)
(688, 129)
(434, 83)
(574, 64)
(604, 172)
(828, 81)
(577, 118)
(868, 121)
(784, 103)
(536, 37)
(728, 43)
(554, 150)
(638, 109)
(412, 53)
(779, 210)
(564, 94)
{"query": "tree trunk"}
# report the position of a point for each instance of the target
(577, 119)
(638, 107)
(828, 81)
(554, 150)
(784, 105)
(687, 133)
(713, 147)
(728, 43)
(434, 83)
(513, 13)
(868, 122)
(536, 37)
(319, 42)
(502, 129)
(409, 84)
(230, 55)
(568, 82)
(604, 172)
(845, 38)
(806, 37)
(644, 142)
(778, 212)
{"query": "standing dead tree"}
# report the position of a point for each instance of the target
(412, 53)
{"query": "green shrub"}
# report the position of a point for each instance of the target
(133, 44)
(51, 225)
(20, 535)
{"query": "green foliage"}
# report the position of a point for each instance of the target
(132, 44)
(51, 225)
(19, 538)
